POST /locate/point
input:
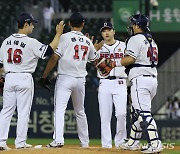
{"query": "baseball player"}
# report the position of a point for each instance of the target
(19, 56)
(73, 52)
(112, 89)
(142, 53)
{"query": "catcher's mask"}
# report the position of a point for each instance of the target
(139, 19)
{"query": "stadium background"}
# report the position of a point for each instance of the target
(166, 33)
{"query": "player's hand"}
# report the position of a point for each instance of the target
(88, 36)
(2, 80)
(60, 27)
(97, 45)
(44, 83)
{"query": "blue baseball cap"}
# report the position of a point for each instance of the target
(25, 17)
(106, 25)
(77, 18)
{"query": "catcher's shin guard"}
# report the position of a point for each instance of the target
(136, 131)
(149, 127)
(135, 134)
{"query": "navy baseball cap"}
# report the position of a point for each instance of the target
(106, 25)
(25, 17)
(77, 18)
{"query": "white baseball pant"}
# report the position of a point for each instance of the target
(67, 86)
(18, 92)
(112, 92)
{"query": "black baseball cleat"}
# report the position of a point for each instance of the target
(53, 144)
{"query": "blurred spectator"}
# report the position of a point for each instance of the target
(65, 5)
(177, 106)
(55, 5)
(173, 108)
(178, 112)
(168, 102)
(48, 13)
(35, 3)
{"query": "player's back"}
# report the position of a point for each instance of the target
(139, 48)
(17, 53)
(75, 50)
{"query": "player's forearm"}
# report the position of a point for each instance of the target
(127, 61)
(55, 41)
(50, 65)
(59, 31)
(2, 71)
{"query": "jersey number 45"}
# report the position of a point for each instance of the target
(153, 55)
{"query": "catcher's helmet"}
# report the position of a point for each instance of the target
(141, 20)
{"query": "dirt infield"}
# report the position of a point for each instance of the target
(74, 149)
(67, 150)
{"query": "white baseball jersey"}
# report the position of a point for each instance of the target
(113, 92)
(115, 52)
(20, 53)
(138, 47)
(75, 49)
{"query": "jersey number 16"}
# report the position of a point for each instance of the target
(16, 58)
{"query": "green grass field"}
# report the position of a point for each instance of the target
(75, 141)
(44, 141)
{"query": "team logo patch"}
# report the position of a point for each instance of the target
(119, 50)
(120, 82)
(105, 24)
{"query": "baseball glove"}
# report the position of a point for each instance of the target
(104, 66)
(2, 80)
(45, 83)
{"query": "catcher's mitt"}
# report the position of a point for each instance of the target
(2, 80)
(104, 66)
(45, 83)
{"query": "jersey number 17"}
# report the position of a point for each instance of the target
(82, 48)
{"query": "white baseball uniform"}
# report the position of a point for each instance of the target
(144, 79)
(143, 89)
(113, 90)
(19, 55)
(74, 49)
